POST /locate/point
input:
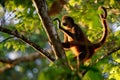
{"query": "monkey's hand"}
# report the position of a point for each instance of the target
(64, 30)
(58, 23)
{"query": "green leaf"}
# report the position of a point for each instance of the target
(8, 45)
(92, 75)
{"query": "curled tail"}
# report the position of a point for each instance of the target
(103, 17)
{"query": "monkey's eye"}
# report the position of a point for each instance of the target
(64, 24)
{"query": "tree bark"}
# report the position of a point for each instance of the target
(41, 8)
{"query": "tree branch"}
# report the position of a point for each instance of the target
(107, 54)
(6, 39)
(11, 63)
(32, 44)
(41, 8)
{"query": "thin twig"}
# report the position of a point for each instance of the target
(6, 39)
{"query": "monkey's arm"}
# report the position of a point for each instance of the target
(65, 31)
(66, 44)
(68, 33)
(65, 38)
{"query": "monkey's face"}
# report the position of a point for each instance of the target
(67, 21)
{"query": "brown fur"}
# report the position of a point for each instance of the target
(76, 40)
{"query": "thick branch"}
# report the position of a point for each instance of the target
(11, 63)
(32, 44)
(41, 8)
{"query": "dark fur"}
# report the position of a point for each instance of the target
(76, 40)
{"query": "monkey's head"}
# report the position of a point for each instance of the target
(67, 21)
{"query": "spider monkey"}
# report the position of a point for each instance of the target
(56, 7)
(76, 40)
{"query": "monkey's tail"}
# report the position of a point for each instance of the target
(105, 27)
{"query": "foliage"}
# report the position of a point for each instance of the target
(20, 15)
